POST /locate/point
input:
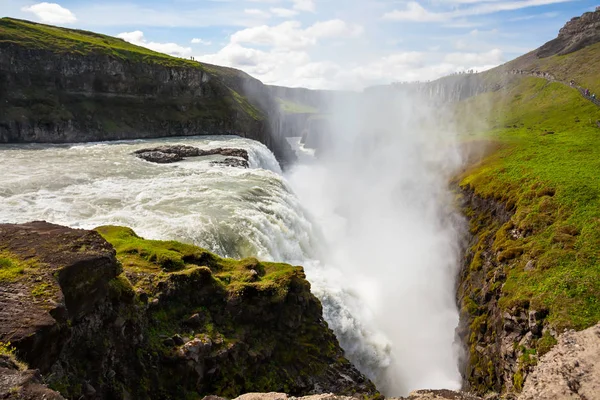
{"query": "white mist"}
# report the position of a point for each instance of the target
(380, 194)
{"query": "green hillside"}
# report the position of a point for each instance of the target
(62, 40)
(547, 170)
(540, 258)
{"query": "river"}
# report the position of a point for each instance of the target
(259, 212)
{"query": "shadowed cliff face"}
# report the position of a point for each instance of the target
(50, 97)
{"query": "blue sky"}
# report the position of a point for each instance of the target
(322, 43)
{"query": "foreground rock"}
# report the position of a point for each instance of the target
(571, 370)
(174, 153)
(16, 382)
(155, 320)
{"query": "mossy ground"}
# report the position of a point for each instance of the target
(161, 258)
(11, 268)
(249, 310)
(546, 168)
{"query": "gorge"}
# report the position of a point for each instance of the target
(438, 250)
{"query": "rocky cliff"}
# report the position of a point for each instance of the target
(60, 85)
(578, 33)
(139, 319)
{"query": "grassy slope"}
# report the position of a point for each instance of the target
(62, 40)
(552, 182)
(583, 66)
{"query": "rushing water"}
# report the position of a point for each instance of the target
(234, 212)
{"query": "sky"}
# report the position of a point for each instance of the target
(322, 44)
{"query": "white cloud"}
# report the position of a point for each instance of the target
(335, 28)
(200, 41)
(51, 13)
(283, 12)
(471, 60)
(290, 35)
(257, 13)
(413, 12)
(304, 5)
(137, 38)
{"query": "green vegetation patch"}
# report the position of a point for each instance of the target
(13, 268)
(63, 40)
(546, 170)
(290, 107)
(8, 351)
(161, 258)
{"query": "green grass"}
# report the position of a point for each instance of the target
(8, 351)
(581, 66)
(62, 40)
(160, 258)
(547, 169)
(11, 268)
(290, 107)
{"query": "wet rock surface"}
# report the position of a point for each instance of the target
(231, 162)
(173, 153)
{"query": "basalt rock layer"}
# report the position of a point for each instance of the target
(59, 85)
(160, 320)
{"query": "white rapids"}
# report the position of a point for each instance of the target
(234, 212)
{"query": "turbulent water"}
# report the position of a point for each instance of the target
(249, 212)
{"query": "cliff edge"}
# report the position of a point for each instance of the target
(106, 314)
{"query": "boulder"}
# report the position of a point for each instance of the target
(231, 162)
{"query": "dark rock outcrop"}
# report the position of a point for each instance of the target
(173, 153)
(232, 162)
(160, 320)
(578, 33)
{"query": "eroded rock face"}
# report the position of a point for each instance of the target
(571, 370)
(173, 153)
(578, 33)
(502, 345)
(190, 324)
